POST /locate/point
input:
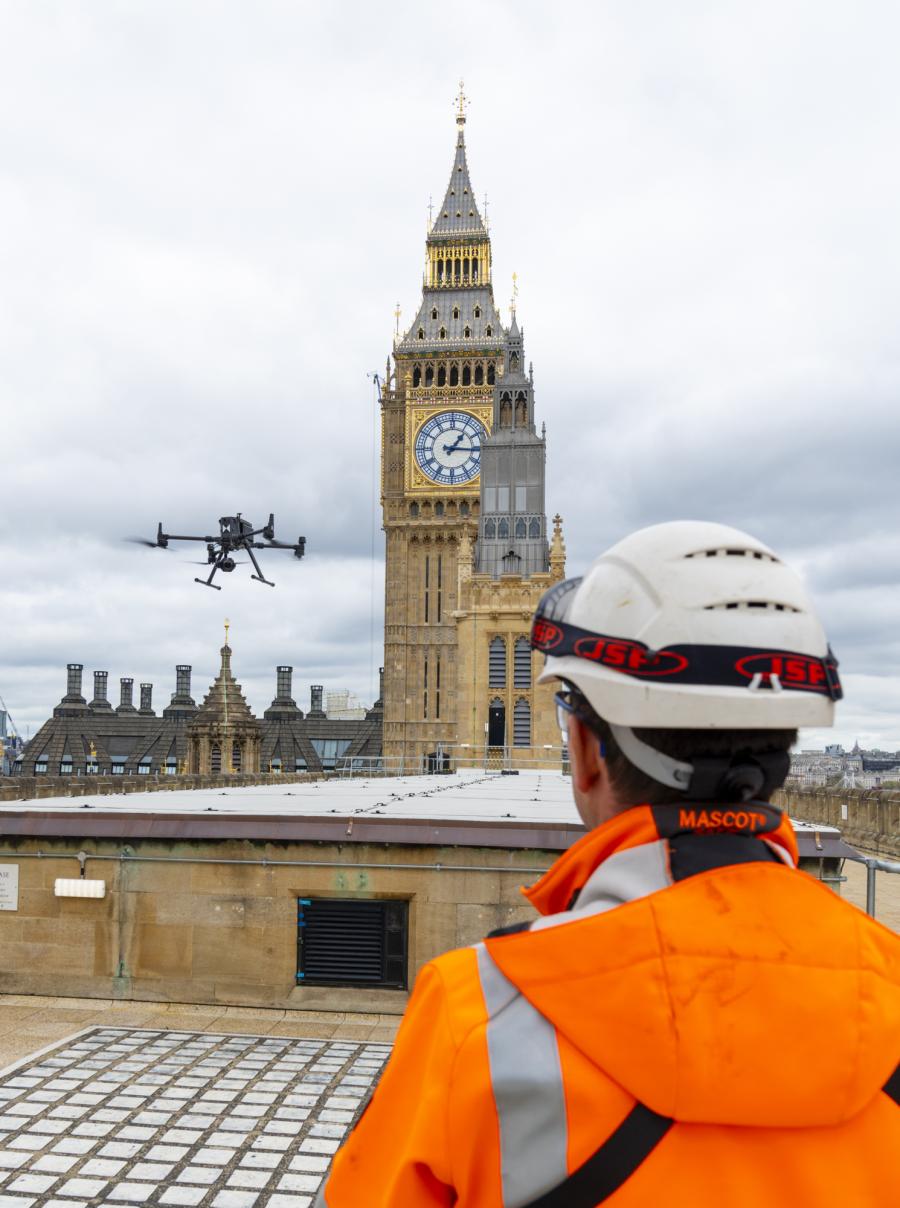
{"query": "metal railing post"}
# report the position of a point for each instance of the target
(870, 887)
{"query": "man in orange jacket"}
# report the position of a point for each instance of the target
(690, 1018)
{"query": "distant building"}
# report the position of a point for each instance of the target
(222, 735)
(343, 706)
(10, 745)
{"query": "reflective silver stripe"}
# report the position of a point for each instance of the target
(320, 1201)
(629, 874)
(526, 1079)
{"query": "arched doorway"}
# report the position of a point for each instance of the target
(496, 723)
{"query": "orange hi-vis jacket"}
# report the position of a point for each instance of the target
(692, 1022)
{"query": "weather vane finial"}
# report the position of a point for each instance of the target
(515, 294)
(461, 102)
(397, 313)
(227, 627)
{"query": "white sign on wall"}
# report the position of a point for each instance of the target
(9, 887)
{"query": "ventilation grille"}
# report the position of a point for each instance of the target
(343, 942)
(497, 663)
(733, 553)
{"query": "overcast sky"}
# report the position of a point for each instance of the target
(209, 210)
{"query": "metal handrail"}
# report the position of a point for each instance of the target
(873, 865)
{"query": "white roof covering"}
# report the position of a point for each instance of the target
(466, 796)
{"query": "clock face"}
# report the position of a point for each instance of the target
(448, 447)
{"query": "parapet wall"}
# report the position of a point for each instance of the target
(867, 818)
(33, 788)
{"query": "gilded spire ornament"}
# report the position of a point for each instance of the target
(462, 102)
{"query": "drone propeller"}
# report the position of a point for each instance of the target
(144, 541)
(206, 562)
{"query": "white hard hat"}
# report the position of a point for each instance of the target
(690, 625)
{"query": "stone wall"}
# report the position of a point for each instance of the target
(193, 928)
(867, 818)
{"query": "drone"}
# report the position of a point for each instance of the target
(235, 534)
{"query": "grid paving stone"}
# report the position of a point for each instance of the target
(181, 1119)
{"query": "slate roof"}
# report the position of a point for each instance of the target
(459, 214)
(444, 301)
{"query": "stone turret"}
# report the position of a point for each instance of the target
(224, 736)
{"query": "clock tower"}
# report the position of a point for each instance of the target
(459, 444)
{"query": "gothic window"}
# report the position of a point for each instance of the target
(437, 687)
(520, 529)
(513, 362)
(477, 308)
(457, 267)
(456, 312)
(522, 663)
(466, 268)
(434, 309)
(522, 724)
(534, 528)
(489, 331)
(440, 268)
(442, 375)
(503, 529)
(490, 530)
(417, 376)
(236, 755)
(505, 411)
(521, 411)
(421, 333)
(215, 758)
(491, 373)
(479, 375)
(474, 262)
(454, 376)
(414, 510)
(467, 332)
(426, 616)
(429, 376)
(463, 508)
(443, 333)
(438, 509)
(425, 690)
(497, 663)
(467, 373)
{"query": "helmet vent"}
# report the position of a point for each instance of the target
(733, 553)
(768, 605)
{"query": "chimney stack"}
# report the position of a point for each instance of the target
(316, 693)
(147, 699)
(183, 680)
(100, 703)
(283, 706)
(283, 684)
(126, 696)
(73, 682)
(181, 704)
(73, 703)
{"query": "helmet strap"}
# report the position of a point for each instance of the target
(651, 762)
(729, 778)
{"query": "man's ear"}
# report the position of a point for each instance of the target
(588, 766)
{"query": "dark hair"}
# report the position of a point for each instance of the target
(634, 787)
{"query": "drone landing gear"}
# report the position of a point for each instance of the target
(259, 577)
(207, 583)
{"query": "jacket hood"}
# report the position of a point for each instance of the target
(745, 995)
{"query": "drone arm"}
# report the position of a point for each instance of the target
(177, 537)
